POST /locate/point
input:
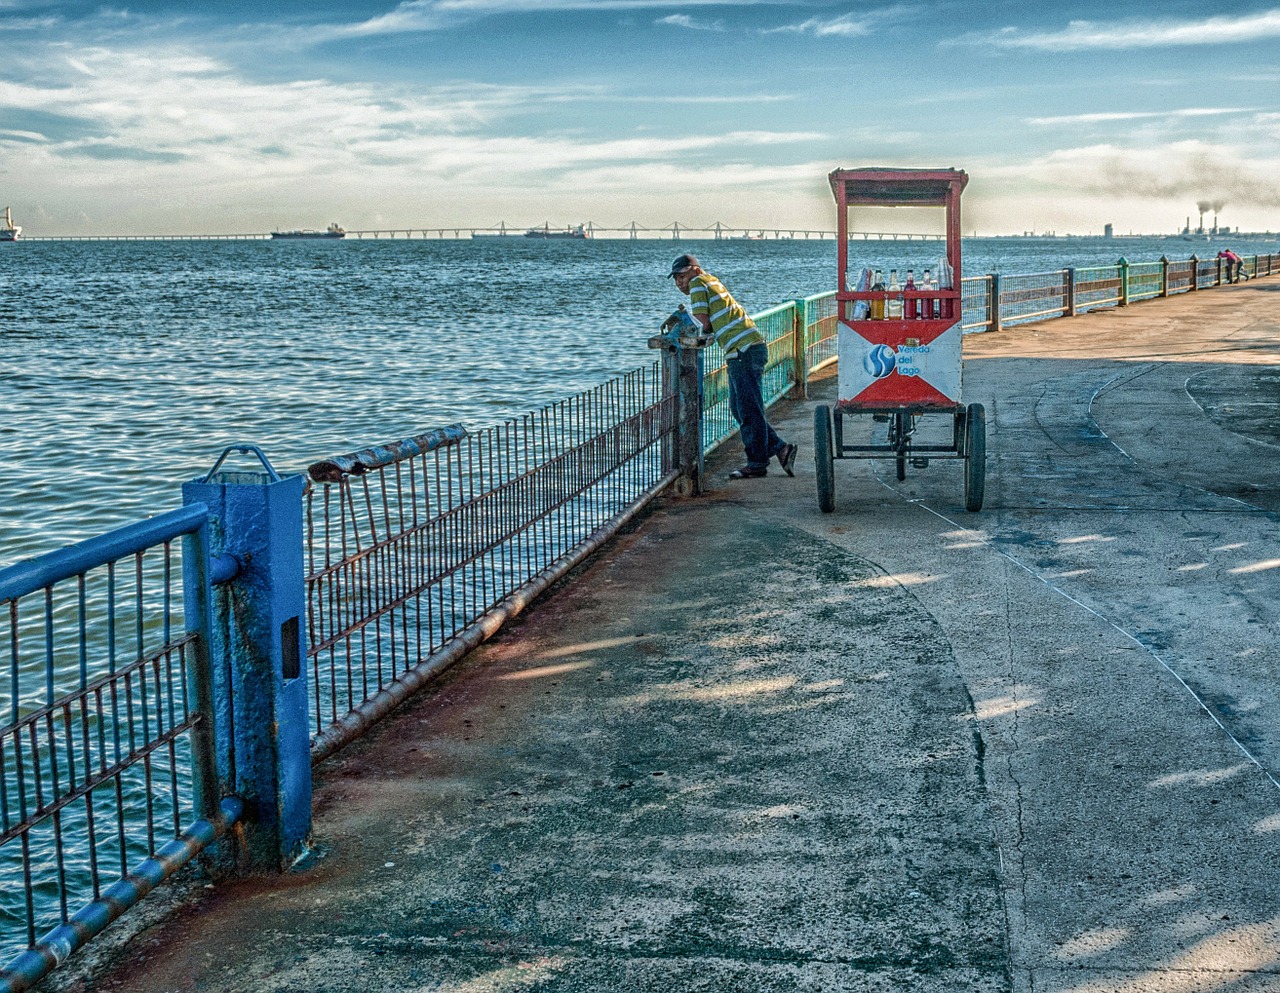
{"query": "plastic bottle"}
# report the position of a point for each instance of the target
(929, 308)
(862, 308)
(893, 306)
(911, 306)
(877, 303)
(944, 283)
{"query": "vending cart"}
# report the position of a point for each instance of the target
(899, 345)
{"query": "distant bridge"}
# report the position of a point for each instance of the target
(634, 231)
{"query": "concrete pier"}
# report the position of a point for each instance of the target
(752, 746)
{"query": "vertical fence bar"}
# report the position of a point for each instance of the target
(197, 585)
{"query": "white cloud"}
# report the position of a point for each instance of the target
(1135, 115)
(848, 25)
(1081, 35)
(685, 21)
(182, 131)
(845, 26)
(429, 15)
(29, 23)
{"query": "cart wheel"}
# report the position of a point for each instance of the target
(975, 454)
(822, 460)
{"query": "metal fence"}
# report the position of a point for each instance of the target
(410, 553)
(107, 722)
(416, 550)
(994, 301)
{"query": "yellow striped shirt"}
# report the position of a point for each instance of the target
(733, 329)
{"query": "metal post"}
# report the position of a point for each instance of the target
(257, 636)
(1123, 263)
(994, 279)
(689, 358)
(1164, 275)
(1195, 272)
(682, 373)
(800, 350)
(1070, 289)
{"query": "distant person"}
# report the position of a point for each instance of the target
(1232, 262)
(745, 354)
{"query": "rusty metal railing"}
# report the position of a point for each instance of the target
(419, 551)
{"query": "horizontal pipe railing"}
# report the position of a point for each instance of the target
(31, 966)
(24, 578)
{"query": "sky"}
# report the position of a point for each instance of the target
(245, 116)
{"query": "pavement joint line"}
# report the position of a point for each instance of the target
(1128, 376)
(1106, 620)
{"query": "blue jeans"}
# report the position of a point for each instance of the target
(746, 404)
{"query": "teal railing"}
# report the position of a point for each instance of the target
(994, 301)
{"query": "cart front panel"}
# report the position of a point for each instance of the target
(884, 367)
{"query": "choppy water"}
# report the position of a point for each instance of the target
(126, 367)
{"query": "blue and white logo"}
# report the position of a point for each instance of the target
(880, 361)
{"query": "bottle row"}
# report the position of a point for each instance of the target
(891, 301)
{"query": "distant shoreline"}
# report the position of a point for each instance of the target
(770, 234)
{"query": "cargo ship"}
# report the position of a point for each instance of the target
(334, 230)
(580, 233)
(10, 231)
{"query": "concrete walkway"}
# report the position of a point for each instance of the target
(756, 747)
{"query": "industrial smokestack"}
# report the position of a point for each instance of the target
(1202, 206)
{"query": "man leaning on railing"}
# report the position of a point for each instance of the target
(745, 354)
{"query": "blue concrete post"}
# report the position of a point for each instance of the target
(1123, 263)
(257, 633)
(994, 324)
(1069, 291)
(1195, 272)
(1164, 275)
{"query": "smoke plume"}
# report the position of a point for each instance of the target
(1197, 175)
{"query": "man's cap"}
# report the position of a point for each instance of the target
(681, 264)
